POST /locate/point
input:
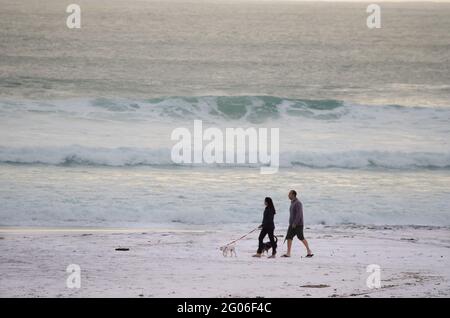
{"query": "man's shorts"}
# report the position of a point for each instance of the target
(298, 230)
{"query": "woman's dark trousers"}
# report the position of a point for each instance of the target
(262, 235)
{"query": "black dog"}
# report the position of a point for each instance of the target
(267, 246)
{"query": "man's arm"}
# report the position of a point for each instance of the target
(298, 214)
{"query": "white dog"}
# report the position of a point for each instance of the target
(228, 249)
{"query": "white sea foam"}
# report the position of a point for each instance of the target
(127, 156)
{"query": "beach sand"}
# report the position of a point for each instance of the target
(414, 262)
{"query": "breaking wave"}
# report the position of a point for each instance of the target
(127, 156)
(254, 109)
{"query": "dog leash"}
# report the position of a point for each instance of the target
(242, 237)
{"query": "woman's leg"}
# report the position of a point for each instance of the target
(262, 235)
(272, 241)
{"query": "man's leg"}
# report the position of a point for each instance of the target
(289, 246)
(305, 242)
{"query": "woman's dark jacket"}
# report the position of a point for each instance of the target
(267, 222)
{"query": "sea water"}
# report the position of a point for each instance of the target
(86, 115)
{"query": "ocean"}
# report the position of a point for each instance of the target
(86, 114)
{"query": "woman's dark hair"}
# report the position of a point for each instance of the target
(270, 204)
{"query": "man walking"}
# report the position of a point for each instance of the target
(296, 224)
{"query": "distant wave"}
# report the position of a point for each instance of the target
(253, 109)
(221, 109)
(247, 109)
(127, 156)
(80, 155)
(370, 159)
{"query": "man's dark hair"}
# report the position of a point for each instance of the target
(294, 193)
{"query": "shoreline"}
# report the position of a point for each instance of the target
(82, 229)
(162, 227)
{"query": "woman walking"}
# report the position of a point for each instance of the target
(267, 227)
